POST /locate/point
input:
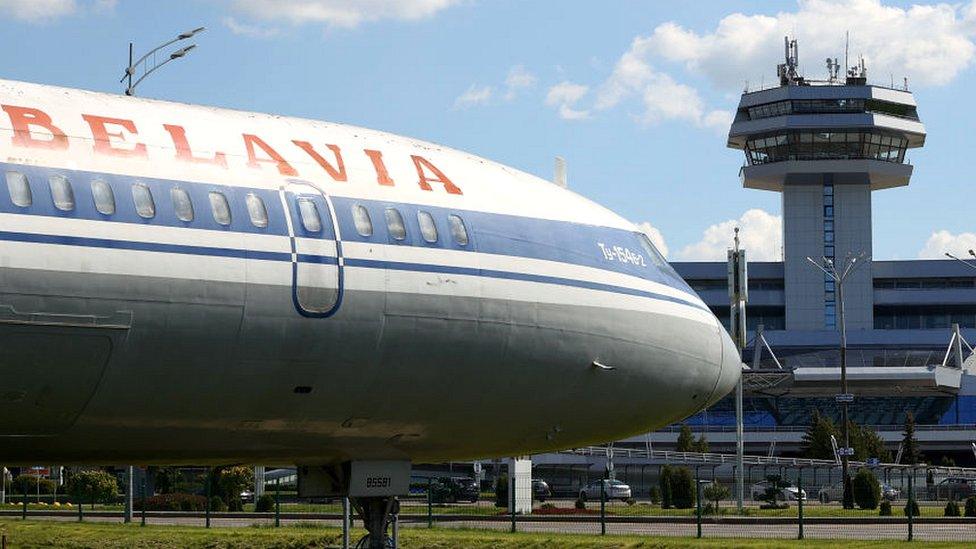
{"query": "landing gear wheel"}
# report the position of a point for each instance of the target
(376, 513)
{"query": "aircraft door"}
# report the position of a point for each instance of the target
(316, 251)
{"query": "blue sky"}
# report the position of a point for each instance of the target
(635, 95)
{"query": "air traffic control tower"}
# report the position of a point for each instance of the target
(826, 146)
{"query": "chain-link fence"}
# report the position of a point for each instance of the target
(640, 499)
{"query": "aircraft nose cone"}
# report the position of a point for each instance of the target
(730, 368)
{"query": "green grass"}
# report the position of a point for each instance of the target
(58, 535)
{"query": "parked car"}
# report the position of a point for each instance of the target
(953, 488)
(454, 489)
(614, 489)
(540, 490)
(788, 493)
(835, 492)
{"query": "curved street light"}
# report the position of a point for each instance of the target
(963, 261)
(131, 69)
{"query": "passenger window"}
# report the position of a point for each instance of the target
(360, 216)
(103, 196)
(19, 189)
(394, 224)
(182, 204)
(310, 215)
(427, 227)
(61, 192)
(220, 208)
(143, 199)
(256, 210)
(458, 230)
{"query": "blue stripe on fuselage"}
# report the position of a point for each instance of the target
(501, 234)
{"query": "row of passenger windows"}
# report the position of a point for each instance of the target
(63, 196)
(398, 229)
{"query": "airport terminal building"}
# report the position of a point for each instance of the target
(826, 146)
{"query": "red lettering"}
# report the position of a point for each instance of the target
(423, 164)
(22, 118)
(103, 138)
(382, 176)
(337, 173)
(183, 152)
(284, 168)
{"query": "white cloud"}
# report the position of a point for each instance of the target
(340, 13)
(656, 237)
(930, 44)
(943, 241)
(246, 29)
(760, 234)
(518, 79)
(564, 97)
(37, 10)
(475, 95)
(662, 98)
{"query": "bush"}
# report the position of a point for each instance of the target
(92, 486)
(631, 501)
(30, 483)
(682, 488)
(913, 506)
(885, 509)
(172, 502)
(264, 504)
(970, 506)
(951, 509)
(715, 493)
(867, 491)
(501, 491)
(654, 495)
(217, 505)
(667, 498)
(580, 504)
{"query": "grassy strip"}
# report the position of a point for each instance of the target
(57, 535)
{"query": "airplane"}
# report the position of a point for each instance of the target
(182, 284)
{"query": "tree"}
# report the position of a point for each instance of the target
(867, 491)
(686, 440)
(231, 482)
(910, 452)
(667, 499)
(701, 445)
(816, 441)
(93, 486)
(867, 444)
(715, 493)
(683, 488)
(165, 479)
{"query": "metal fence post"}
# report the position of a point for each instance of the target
(911, 505)
(698, 505)
(81, 510)
(277, 502)
(142, 513)
(24, 485)
(511, 488)
(207, 508)
(603, 507)
(799, 503)
(430, 503)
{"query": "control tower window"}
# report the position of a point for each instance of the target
(825, 145)
(832, 106)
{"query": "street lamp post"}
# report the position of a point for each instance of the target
(130, 70)
(963, 261)
(844, 398)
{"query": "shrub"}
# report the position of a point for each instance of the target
(654, 494)
(912, 506)
(264, 504)
(951, 509)
(667, 499)
(217, 505)
(682, 488)
(92, 486)
(715, 493)
(580, 504)
(885, 509)
(547, 506)
(172, 502)
(31, 484)
(867, 491)
(630, 501)
(970, 506)
(501, 491)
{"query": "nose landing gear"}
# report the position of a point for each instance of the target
(377, 513)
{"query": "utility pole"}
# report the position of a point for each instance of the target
(845, 398)
(738, 295)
